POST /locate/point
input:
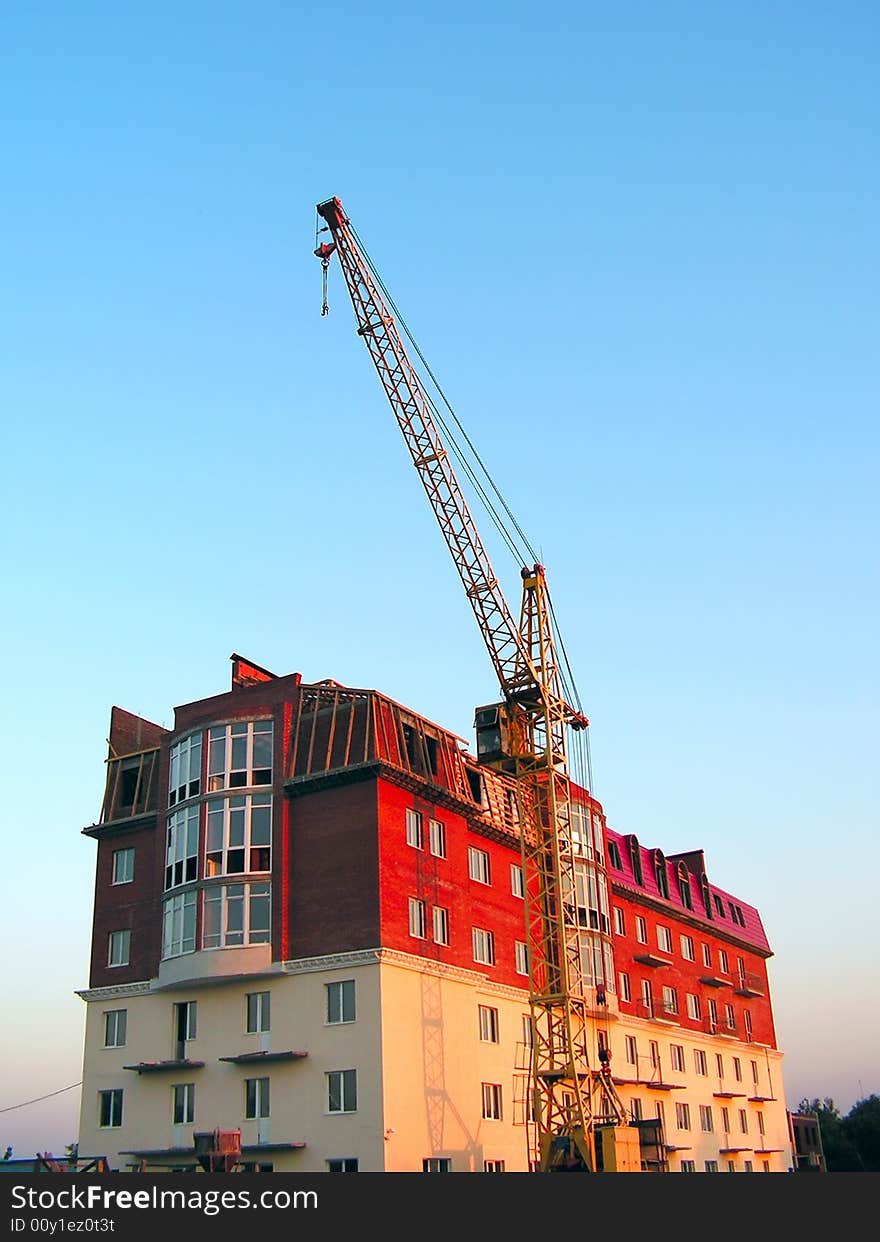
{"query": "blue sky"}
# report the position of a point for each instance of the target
(638, 244)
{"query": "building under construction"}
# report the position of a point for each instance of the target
(309, 927)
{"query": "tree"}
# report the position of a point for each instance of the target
(861, 1127)
(840, 1154)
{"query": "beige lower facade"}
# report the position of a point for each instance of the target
(379, 1061)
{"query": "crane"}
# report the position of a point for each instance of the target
(525, 734)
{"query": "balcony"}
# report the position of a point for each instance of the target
(721, 1027)
(650, 958)
(714, 981)
(749, 985)
(263, 1058)
(159, 1067)
(729, 1095)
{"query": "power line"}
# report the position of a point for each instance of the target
(13, 1107)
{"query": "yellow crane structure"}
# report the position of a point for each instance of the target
(577, 1120)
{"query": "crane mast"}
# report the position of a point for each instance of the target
(569, 1100)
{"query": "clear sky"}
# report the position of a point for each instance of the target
(638, 243)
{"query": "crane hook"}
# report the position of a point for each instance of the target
(324, 252)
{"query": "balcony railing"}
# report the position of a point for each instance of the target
(720, 1026)
(749, 985)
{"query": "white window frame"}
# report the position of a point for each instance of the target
(255, 898)
(664, 938)
(415, 836)
(115, 1097)
(341, 996)
(418, 918)
(349, 1164)
(707, 955)
(641, 930)
(676, 1055)
(624, 986)
(119, 947)
(257, 1099)
(700, 1064)
(479, 867)
(437, 1164)
(440, 921)
(723, 963)
(693, 1007)
(183, 1103)
(179, 924)
(631, 1050)
(619, 921)
(682, 1115)
(521, 957)
(437, 838)
(223, 741)
(115, 1028)
(670, 999)
(487, 1023)
(341, 1091)
(185, 769)
(123, 866)
(258, 1013)
(494, 1166)
(234, 825)
(707, 1121)
(483, 944)
(182, 847)
(493, 1104)
(517, 881)
(687, 948)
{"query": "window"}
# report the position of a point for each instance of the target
(654, 1049)
(598, 839)
(743, 1121)
(441, 925)
(414, 829)
(256, 1098)
(614, 856)
(182, 847)
(648, 997)
(340, 1002)
(737, 1069)
(747, 1025)
(755, 1076)
(719, 906)
(238, 834)
(185, 773)
(179, 925)
(343, 1164)
(493, 1166)
(731, 1166)
(119, 948)
(729, 1017)
(240, 755)
(115, 1022)
(719, 1064)
(706, 1123)
(183, 1103)
(712, 1006)
(688, 1166)
(700, 1062)
(711, 1166)
(676, 1052)
(437, 838)
(521, 957)
(342, 1091)
(635, 856)
(483, 945)
(687, 948)
(641, 930)
(437, 1164)
(123, 866)
(491, 1101)
(723, 964)
(184, 1027)
(528, 1028)
(635, 1108)
(517, 881)
(592, 898)
(670, 1000)
(623, 985)
(619, 921)
(660, 874)
(693, 1007)
(682, 1116)
(258, 1012)
(417, 918)
(760, 1119)
(707, 956)
(488, 1023)
(765, 1166)
(747, 1166)
(684, 888)
(725, 1119)
(110, 1108)
(236, 914)
(664, 938)
(478, 865)
(632, 1054)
